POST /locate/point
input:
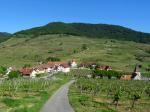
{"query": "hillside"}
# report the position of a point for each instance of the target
(4, 36)
(121, 55)
(88, 30)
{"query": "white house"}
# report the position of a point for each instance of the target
(9, 70)
(137, 74)
(73, 64)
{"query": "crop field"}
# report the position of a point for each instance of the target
(27, 95)
(121, 55)
(103, 95)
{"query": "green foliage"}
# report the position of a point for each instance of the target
(75, 51)
(89, 30)
(26, 66)
(53, 59)
(4, 36)
(84, 47)
(109, 74)
(14, 74)
(115, 90)
(11, 102)
(3, 70)
(50, 51)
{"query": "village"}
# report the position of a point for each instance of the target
(54, 67)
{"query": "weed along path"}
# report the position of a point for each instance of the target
(59, 102)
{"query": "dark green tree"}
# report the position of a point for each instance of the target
(14, 74)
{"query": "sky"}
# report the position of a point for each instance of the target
(16, 15)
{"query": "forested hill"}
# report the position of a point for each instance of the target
(89, 30)
(4, 36)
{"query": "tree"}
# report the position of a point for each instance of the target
(14, 74)
(53, 59)
(26, 65)
(84, 47)
(75, 51)
(3, 70)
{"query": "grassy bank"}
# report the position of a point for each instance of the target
(22, 95)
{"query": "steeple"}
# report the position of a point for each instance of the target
(137, 68)
(136, 75)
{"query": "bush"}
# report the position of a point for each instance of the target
(11, 102)
(109, 74)
(26, 65)
(53, 59)
(14, 74)
(3, 70)
(84, 47)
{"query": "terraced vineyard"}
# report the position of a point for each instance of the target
(121, 55)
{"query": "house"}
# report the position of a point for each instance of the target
(73, 64)
(136, 75)
(60, 66)
(10, 69)
(107, 68)
(44, 68)
(88, 65)
(65, 67)
(126, 77)
(27, 72)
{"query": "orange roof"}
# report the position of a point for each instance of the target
(55, 63)
(64, 64)
(42, 66)
(104, 67)
(26, 71)
(126, 77)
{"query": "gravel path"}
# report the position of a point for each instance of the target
(59, 102)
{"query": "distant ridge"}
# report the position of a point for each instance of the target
(4, 36)
(89, 30)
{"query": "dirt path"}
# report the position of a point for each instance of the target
(59, 102)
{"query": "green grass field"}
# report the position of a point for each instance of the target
(121, 55)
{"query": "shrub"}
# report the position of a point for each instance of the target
(53, 59)
(3, 70)
(84, 47)
(14, 74)
(26, 65)
(108, 74)
(11, 102)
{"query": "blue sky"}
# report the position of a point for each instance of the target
(18, 15)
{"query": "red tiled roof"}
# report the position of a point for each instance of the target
(42, 66)
(104, 67)
(64, 64)
(26, 71)
(55, 63)
(126, 77)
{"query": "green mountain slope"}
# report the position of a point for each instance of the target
(88, 30)
(121, 55)
(4, 36)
